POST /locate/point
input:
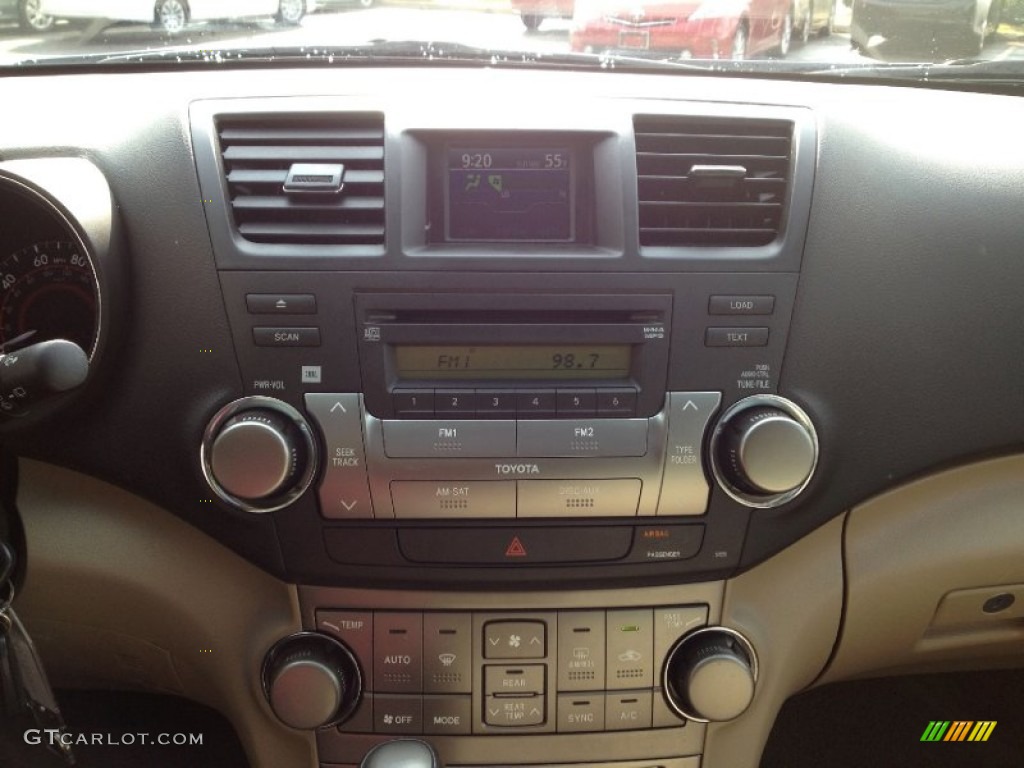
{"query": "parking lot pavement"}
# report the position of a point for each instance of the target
(492, 31)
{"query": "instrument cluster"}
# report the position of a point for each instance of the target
(55, 253)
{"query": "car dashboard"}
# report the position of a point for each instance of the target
(550, 417)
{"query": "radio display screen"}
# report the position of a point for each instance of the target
(514, 361)
(510, 194)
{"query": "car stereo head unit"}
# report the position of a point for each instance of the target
(504, 356)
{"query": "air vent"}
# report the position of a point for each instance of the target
(259, 151)
(711, 181)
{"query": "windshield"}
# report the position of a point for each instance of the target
(830, 38)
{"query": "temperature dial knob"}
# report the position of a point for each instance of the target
(710, 675)
(258, 454)
(764, 451)
(311, 681)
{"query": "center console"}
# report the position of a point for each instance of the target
(502, 388)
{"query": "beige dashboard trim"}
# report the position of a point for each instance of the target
(948, 539)
(121, 594)
(789, 607)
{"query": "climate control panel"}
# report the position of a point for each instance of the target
(480, 673)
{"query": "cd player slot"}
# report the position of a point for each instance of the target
(517, 317)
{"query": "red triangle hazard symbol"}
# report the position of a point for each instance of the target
(515, 548)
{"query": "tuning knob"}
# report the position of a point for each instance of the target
(764, 451)
(311, 681)
(258, 454)
(710, 675)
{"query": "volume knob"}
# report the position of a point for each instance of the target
(258, 454)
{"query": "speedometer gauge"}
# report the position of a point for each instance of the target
(49, 291)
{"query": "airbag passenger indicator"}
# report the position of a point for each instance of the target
(510, 195)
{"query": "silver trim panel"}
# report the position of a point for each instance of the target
(643, 481)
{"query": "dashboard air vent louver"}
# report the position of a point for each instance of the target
(711, 181)
(259, 150)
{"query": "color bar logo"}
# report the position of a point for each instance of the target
(958, 730)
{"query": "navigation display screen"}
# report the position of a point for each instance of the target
(510, 195)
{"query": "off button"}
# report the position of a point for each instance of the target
(398, 714)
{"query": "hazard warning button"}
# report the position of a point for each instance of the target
(515, 546)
